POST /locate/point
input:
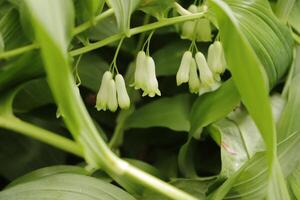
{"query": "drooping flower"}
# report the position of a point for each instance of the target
(112, 102)
(194, 82)
(144, 76)
(139, 74)
(151, 88)
(206, 76)
(182, 75)
(102, 96)
(215, 58)
(122, 95)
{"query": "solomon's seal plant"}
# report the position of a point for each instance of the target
(200, 100)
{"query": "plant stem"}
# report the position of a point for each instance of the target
(86, 25)
(17, 51)
(134, 31)
(82, 27)
(48, 137)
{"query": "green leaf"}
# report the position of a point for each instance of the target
(47, 172)
(123, 11)
(21, 69)
(11, 29)
(1, 43)
(170, 112)
(289, 121)
(31, 95)
(168, 65)
(90, 69)
(65, 187)
(20, 155)
(250, 182)
(236, 33)
(88, 9)
(294, 182)
(206, 110)
(294, 16)
(156, 8)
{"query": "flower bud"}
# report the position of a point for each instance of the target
(215, 58)
(139, 74)
(194, 82)
(206, 76)
(187, 31)
(193, 8)
(122, 95)
(203, 30)
(152, 83)
(102, 96)
(112, 102)
(182, 75)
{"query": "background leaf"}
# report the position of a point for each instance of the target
(156, 8)
(170, 112)
(65, 187)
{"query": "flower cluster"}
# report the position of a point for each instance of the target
(144, 76)
(199, 30)
(112, 93)
(201, 75)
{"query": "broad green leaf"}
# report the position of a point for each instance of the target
(294, 16)
(213, 106)
(20, 155)
(65, 187)
(88, 9)
(11, 29)
(31, 95)
(250, 182)
(289, 121)
(90, 70)
(283, 9)
(170, 112)
(156, 8)
(21, 69)
(47, 172)
(1, 43)
(250, 80)
(207, 109)
(168, 65)
(294, 182)
(123, 10)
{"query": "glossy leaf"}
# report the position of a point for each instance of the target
(250, 182)
(47, 172)
(206, 110)
(294, 16)
(65, 187)
(170, 112)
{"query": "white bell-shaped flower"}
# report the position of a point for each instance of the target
(193, 8)
(122, 95)
(151, 88)
(102, 96)
(182, 75)
(194, 82)
(112, 102)
(206, 76)
(215, 58)
(139, 74)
